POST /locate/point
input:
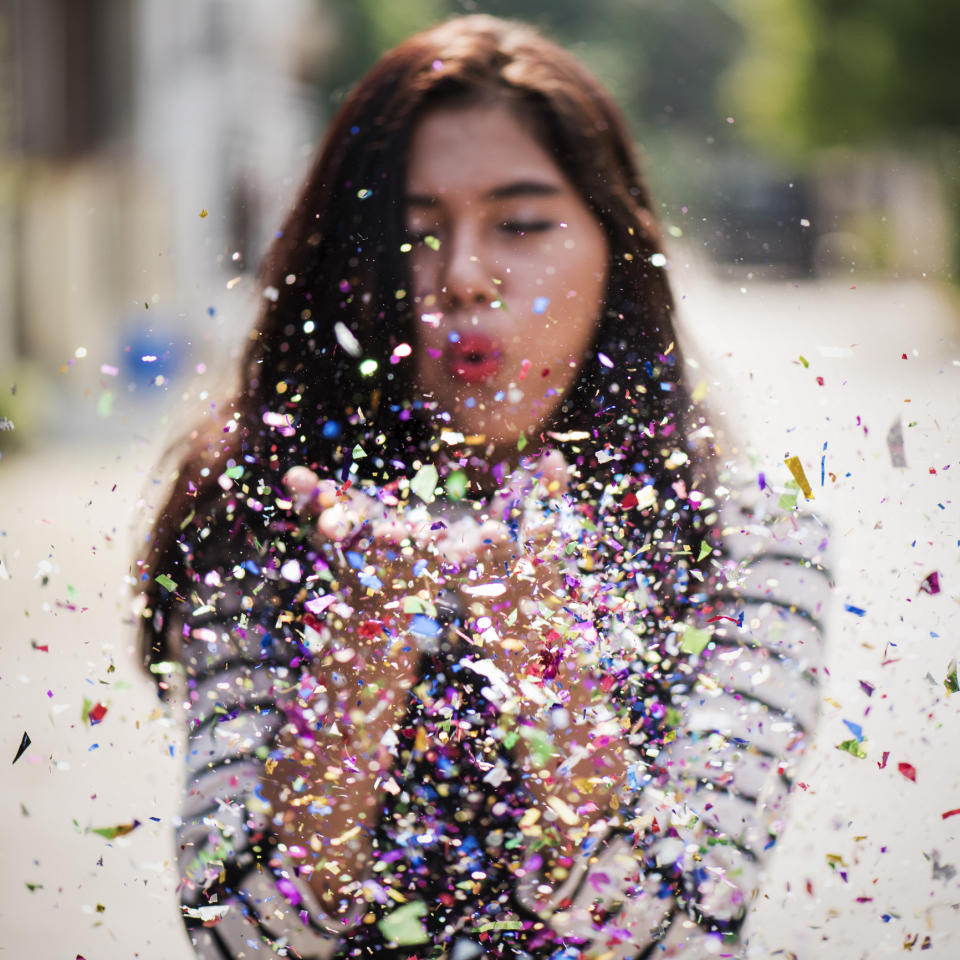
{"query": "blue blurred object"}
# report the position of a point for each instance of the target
(149, 352)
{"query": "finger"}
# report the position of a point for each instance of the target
(338, 522)
(554, 473)
(310, 494)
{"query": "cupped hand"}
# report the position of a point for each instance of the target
(508, 563)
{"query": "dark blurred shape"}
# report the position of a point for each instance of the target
(761, 218)
(72, 73)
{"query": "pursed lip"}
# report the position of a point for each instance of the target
(475, 357)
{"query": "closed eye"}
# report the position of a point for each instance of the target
(521, 227)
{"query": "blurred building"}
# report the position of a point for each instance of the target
(147, 149)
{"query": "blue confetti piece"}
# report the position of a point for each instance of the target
(855, 729)
(859, 611)
(540, 304)
(419, 567)
(354, 559)
(423, 626)
(370, 581)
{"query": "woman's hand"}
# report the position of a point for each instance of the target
(337, 742)
(508, 565)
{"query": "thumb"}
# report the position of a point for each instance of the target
(553, 472)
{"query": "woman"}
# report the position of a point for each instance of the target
(442, 700)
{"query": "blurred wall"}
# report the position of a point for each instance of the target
(148, 149)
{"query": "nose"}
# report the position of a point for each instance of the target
(465, 278)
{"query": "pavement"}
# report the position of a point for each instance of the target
(868, 865)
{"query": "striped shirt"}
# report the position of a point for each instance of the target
(693, 828)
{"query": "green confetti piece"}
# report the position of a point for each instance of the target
(522, 442)
(165, 666)
(540, 744)
(805, 362)
(403, 926)
(166, 582)
(510, 739)
(111, 833)
(424, 484)
(952, 681)
(456, 485)
(413, 605)
(85, 712)
(235, 472)
(105, 404)
(500, 925)
(854, 747)
(358, 452)
(705, 551)
(432, 242)
(694, 640)
(787, 501)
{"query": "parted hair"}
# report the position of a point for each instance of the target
(337, 260)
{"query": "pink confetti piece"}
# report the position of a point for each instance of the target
(931, 583)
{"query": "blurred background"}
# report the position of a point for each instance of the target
(805, 157)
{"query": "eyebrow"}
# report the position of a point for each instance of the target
(518, 188)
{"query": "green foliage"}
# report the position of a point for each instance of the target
(823, 72)
(659, 58)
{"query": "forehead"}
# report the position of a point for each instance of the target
(469, 151)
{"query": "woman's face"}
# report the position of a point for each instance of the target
(509, 269)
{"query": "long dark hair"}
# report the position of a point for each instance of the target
(317, 377)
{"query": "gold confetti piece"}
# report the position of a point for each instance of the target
(346, 836)
(796, 468)
(530, 817)
(204, 214)
(563, 811)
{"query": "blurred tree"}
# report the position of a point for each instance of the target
(824, 72)
(660, 58)
(863, 75)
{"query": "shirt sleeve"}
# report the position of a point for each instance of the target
(240, 653)
(718, 791)
(706, 809)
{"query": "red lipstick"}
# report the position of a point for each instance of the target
(474, 358)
